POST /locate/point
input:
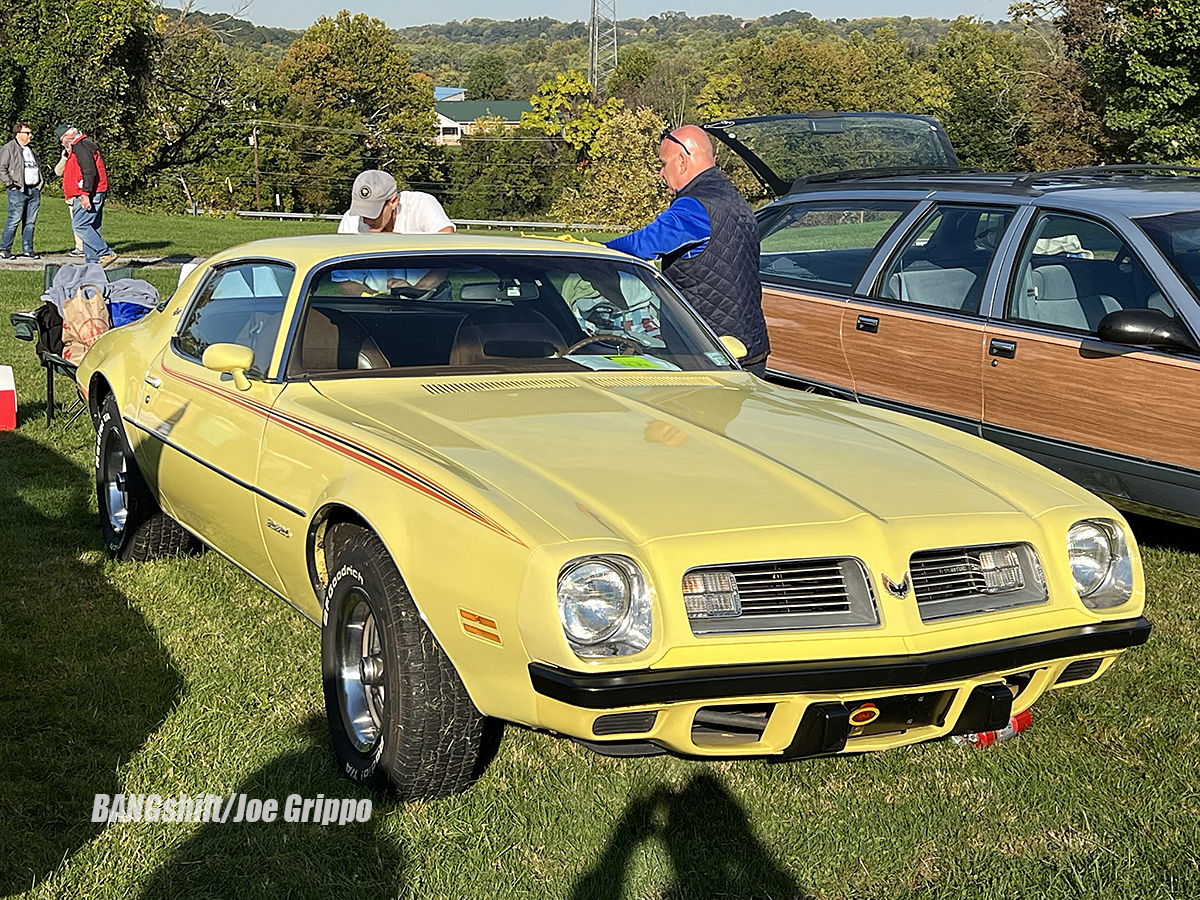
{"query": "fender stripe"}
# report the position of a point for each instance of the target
(352, 450)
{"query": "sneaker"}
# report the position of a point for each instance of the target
(76, 252)
(108, 259)
(5, 254)
(31, 255)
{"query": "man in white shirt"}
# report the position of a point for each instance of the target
(376, 206)
(23, 181)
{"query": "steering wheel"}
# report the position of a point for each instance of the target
(621, 340)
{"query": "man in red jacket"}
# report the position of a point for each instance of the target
(85, 186)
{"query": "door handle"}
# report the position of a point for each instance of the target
(153, 381)
(867, 323)
(1006, 349)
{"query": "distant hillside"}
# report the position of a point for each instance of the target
(665, 28)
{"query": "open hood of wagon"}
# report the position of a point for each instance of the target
(782, 150)
(691, 454)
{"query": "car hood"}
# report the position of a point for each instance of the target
(702, 454)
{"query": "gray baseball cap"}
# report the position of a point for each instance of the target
(372, 189)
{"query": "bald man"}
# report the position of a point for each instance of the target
(708, 242)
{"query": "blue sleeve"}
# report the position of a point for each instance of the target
(683, 224)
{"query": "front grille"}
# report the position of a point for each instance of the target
(955, 581)
(794, 594)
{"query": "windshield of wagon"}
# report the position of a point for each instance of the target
(441, 314)
(1177, 236)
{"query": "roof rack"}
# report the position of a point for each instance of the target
(1031, 178)
(882, 172)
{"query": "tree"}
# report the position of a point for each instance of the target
(565, 105)
(621, 187)
(1143, 59)
(502, 174)
(353, 103)
(986, 101)
(488, 79)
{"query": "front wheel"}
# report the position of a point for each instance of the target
(398, 713)
(133, 524)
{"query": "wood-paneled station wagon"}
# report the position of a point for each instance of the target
(1055, 313)
(519, 480)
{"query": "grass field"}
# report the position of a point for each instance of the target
(186, 676)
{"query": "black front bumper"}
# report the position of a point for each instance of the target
(603, 690)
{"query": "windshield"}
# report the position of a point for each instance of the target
(1178, 237)
(497, 313)
(781, 149)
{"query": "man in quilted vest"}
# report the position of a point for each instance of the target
(708, 242)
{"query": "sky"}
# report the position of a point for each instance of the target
(302, 13)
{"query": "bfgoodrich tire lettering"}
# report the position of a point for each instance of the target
(399, 716)
(133, 524)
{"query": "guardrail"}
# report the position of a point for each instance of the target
(466, 223)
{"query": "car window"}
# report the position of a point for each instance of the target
(945, 261)
(497, 313)
(1177, 236)
(237, 304)
(1074, 271)
(826, 246)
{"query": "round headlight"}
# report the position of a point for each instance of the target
(1090, 550)
(594, 599)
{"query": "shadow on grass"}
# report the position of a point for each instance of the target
(287, 859)
(128, 247)
(85, 681)
(1164, 535)
(705, 831)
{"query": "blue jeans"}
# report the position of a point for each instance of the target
(22, 210)
(86, 223)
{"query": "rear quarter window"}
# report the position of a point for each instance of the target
(826, 246)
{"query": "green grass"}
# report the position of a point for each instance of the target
(185, 675)
(147, 235)
(150, 236)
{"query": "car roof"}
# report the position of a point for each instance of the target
(310, 250)
(1134, 191)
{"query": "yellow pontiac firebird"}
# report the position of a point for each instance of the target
(519, 480)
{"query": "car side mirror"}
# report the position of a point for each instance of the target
(1145, 328)
(735, 347)
(232, 359)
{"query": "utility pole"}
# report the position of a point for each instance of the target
(254, 141)
(602, 43)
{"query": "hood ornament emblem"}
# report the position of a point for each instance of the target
(899, 591)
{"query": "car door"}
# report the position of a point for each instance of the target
(914, 342)
(1117, 419)
(206, 432)
(811, 257)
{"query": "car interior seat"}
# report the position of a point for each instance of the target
(1067, 297)
(334, 341)
(505, 332)
(946, 288)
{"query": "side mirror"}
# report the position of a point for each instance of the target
(1145, 328)
(735, 347)
(233, 359)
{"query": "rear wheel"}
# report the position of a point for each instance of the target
(133, 525)
(398, 713)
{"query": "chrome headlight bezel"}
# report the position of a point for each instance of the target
(1099, 548)
(622, 630)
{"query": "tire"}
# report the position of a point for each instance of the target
(132, 523)
(399, 716)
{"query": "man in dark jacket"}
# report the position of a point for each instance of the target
(708, 242)
(85, 185)
(22, 178)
